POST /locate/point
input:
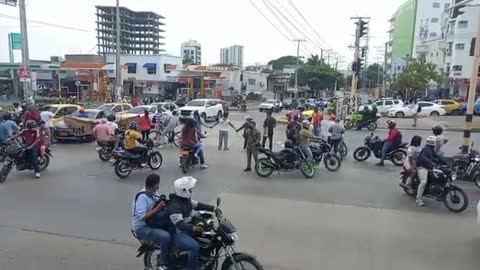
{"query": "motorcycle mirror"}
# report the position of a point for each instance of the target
(218, 201)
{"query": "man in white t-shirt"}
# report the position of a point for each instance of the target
(224, 124)
(113, 129)
(47, 117)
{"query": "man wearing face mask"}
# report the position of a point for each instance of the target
(180, 209)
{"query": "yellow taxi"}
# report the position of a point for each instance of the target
(450, 105)
(119, 108)
(61, 110)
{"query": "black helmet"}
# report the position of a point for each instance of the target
(437, 129)
(132, 125)
(30, 124)
(288, 144)
(7, 116)
(111, 117)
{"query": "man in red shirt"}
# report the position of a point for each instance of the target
(317, 122)
(393, 140)
(32, 114)
(32, 139)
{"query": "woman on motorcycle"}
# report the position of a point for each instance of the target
(181, 207)
(410, 163)
(31, 137)
(191, 139)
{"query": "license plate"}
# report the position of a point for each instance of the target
(185, 153)
(63, 134)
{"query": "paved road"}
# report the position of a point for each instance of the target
(77, 215)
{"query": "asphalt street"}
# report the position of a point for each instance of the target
(77, 216)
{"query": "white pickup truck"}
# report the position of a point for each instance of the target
(207, 108)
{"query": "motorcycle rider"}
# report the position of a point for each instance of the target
(425, 163)
(393, 140)
(11, 125)
(113, 130)
(132, 137)
(191, 138)
(101, 132)
(304, 137)
(150, 218)
(180, 208)
(293, 128)
(31, 137)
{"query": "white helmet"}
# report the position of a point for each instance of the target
(431, 140)
(306, 123)
(248, 118)
(183, 186)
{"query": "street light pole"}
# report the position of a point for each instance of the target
(296, 67)
(118, 66)
(25, 54)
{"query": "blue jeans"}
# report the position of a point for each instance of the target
(31, 156)
(307, 151)
(336, 143)
(317, 131)
(186, 243)
(385, 149)
(199, 152)
(159, 237)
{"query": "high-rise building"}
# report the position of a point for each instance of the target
(192, 51)
(232, 55)
(139, 31)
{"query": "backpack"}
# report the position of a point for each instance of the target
(163, 217)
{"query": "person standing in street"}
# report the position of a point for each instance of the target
(317, 122)
(145, 125)
(252, 137)
(225, 125)
(268, 126)
(416, 109)
(336, 137)
(47, 117)
(248, 120)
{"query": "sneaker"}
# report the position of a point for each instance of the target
(380, 163)
(203, 166)
(37, 175)
(219, 148)
(247, 169)
(419, 202)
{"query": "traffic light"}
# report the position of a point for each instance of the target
(457, 10)
(360, 64)
(363, 28)
(357, 66)
(364, 52)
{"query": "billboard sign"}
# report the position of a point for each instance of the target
(15, 40)
(12, 3)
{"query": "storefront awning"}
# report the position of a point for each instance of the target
(150, 65)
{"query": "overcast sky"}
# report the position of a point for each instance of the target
(214, 23)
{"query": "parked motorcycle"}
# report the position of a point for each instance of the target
(126, 162)
(439, 187)
(217, 244)
(322, 150)
(468, 166)
(372, 144)
(15, 155)
(283, 161)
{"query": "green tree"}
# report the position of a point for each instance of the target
(416, 77)
(375, 74)
(279, 63)
(318, 75)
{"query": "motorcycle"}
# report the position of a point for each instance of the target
(374, 144)
(323, 150)
(356, 119)
(468, 166)
(105, 150)
(283, 161)
(188, 158)
(439, 187)
(217, 243)
(15, 155)
(126, 162)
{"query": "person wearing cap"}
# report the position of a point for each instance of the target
(393, 140)
(243, 127)
(252, 139)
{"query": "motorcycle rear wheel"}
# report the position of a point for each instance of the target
(348, 124)
(44, 162)
(243, 260)
(398, 157)
(184, 164)
(308, 169)
(155, 160)
(362, 153)
(450, 199)
(148, 257)
(104, 155)
(344, 150)
(332, 162)
(371, 126)
(263, 168)
(123, 168)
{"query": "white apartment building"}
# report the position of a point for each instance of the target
(146, 75)
(192, 50)
(458, 62)
(232, 55)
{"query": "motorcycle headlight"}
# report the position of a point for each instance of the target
(454, 176)
(233, 236)
(477, 159)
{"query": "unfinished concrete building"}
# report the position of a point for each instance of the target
(140, 31)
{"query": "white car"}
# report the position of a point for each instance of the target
(207, 108)
(384, 105)
(168, 106)
(269, 105)
(140, 110)
(428, 109)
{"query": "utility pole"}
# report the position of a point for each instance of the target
(27, 85)
(384, 69)
(360, 31)
(297, 66)
(473, 80)
(118, 66)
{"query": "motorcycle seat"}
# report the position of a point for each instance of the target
(126, 154)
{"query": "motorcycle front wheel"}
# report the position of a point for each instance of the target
(155, 160)
(150, 260)
(344, 149)
(43, 162)
(263, 167)
(241, 261)
(332, 162)
(371, 126)
(123, 168)
(398, 157)
(456, 199)
(5, 171)
(362, 153)
(308, 169)
(348, 124)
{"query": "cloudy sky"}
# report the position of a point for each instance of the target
(214, 23)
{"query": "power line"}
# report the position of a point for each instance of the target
(303, 17)
(6, 16)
